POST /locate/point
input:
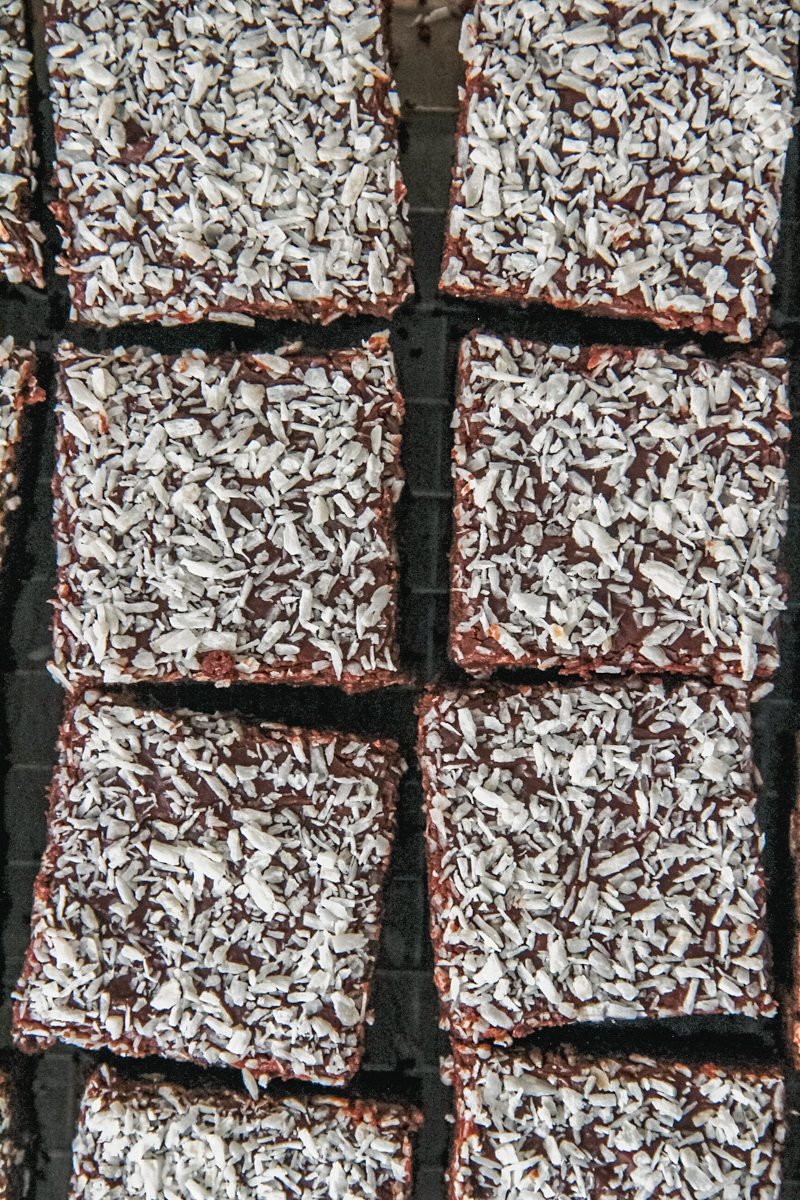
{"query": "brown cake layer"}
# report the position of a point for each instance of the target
(593, 855)
(618, 509)
(227, 517)
(557, 1125)
(210, 891)
(227, 161)
(626, 158)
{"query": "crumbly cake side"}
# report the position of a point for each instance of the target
(626, 158)
(227, 517)
(210, 891)
(618, 509)
(20, 236)
(18, 388)
(553, 1125)
(593, 855)
(137, 1136)
(228, 161)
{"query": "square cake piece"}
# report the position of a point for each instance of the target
(20, 236)
(14, 1142)
(625, 158)
(556, 1125)
(138, 1139)
(227, 517)
(593, 855)
(210, 891)
(18, 388)
(227, 160)
(618, 509)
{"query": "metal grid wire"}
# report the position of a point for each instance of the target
(404, 1044)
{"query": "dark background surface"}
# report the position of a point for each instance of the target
(404, 1044)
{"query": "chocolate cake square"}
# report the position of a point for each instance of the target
(624, 158)
(210, 891)
(226, 161)
(593, 855)
(227, 517)
(560, 1124)
(618, 509)
(20, 236)
(146, 1137)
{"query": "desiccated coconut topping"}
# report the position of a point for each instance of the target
(17, 388)
(625, 156)
(141, 1139)
(228, 159)
(210, 891)
(20, 237)
(556, 1125)
(618, 509)
(227, 517)
(593, 855)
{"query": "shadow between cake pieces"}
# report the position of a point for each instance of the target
(618, 509)
(18, 389)
(226, 161)
(210, 892)
(227, 517)
(626, 158)
(561, 1124)
(593, 855)
(142, 1138)
(20, 236)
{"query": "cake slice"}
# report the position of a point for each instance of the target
(553, 1125)
(141, 1138)
(625, 159)
(210, 891)
(618, 509)
(226, 161)
(20, 236)
(593, 855)
(227, 517)
(14, 1143)
(18, 388)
